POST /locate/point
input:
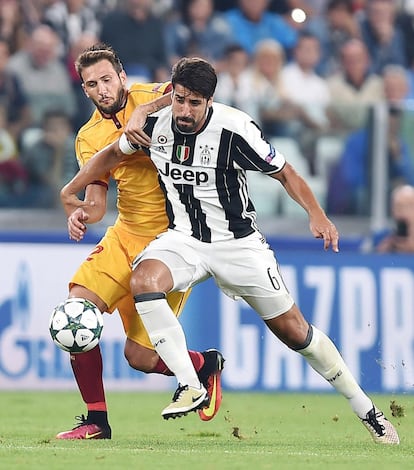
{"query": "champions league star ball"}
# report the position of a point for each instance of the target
(76, 325)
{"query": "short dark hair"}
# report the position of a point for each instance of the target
(195, 74)
(95, 54)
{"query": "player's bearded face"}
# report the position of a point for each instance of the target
(189, 110)
(108, 105)
(104, 86)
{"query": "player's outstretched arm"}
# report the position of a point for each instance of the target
(299, 190)
(134, 129)
(100, 164)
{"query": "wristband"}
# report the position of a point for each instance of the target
(126, 147)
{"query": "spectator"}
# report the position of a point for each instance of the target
(397, 89)
(43, 76)
(255, 86)
(16, 19)
(199, 32)
(232, 87)
(13, 177)
(261, 93)
(302, 84)
(349, 191)
(70, 19)
(268, 63)
(395, 81)
(354, 89)
(138, 36)
(382, 34)
(251, 22)
(401, 238)
(333, 29)
(12, 97)
(51, 161)
(305, 88)
(267, 101)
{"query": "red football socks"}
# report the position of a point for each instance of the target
(87, 368)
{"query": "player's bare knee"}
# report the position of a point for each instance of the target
(138, 284)
(290, 327)
(144, 279)
(150, 276)
(82, 292)
(140, 357)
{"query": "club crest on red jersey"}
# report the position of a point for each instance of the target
(183, 153)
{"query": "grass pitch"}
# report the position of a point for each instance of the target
(252, 430)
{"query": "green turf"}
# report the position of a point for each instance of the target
(251, 431)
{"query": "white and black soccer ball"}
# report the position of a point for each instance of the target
(76, 325)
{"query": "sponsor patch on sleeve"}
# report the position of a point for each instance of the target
(271, 155)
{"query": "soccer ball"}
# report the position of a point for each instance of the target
(76, 325)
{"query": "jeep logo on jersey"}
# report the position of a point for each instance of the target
(183, 152)
(185, 176)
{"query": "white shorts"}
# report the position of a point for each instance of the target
(242, 268)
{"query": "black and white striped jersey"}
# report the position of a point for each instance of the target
(203, 175)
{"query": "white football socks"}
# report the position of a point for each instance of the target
(324, 357)
(167, 336)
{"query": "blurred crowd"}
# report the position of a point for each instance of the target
(310, 72)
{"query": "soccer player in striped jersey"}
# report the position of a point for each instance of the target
(202, 151)
(103, 278)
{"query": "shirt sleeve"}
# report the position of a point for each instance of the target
(84, 152)
(253, 152)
